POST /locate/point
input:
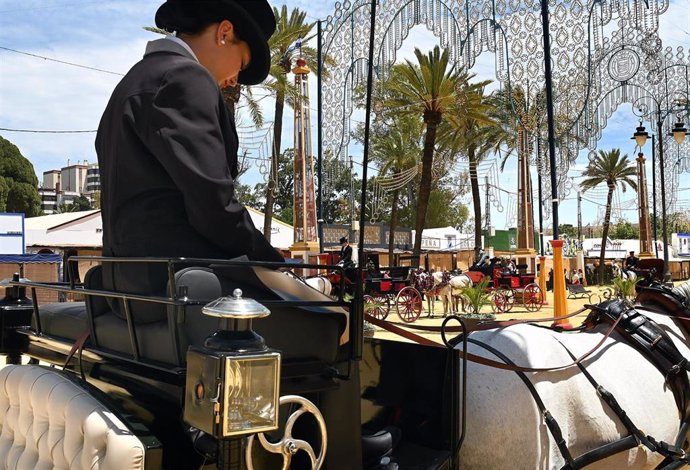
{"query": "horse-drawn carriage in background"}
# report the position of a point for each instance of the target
(509, 286)
(391, 287)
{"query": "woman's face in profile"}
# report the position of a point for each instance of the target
(237, 58)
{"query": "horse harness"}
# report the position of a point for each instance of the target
(652, 342)
(640, 332)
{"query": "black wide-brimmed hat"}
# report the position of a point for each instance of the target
(253, 20)
(343, 240)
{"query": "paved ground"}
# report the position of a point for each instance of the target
(517, 312)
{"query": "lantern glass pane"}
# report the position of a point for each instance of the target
(640, 140)
(679, 136)
(251, 394)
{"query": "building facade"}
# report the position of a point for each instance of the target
(61, 187)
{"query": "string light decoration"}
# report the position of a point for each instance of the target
(600, 50)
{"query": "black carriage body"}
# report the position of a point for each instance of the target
(141, 364)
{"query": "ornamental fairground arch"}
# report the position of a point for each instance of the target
(596, 46)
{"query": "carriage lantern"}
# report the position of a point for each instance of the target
(679, 132)
(233, 380)
(640, 136)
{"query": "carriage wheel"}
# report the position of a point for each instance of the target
(377, 306)
(408, 304)
(532, 297)
(509, 294)
(498, 301)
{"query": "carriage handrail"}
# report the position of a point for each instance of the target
(172, 261)
(356, 332)
(176, 299)
(179, 302)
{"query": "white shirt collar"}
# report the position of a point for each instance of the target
(183, 44)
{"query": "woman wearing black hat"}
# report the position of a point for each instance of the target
(167, 151)
(167, 147)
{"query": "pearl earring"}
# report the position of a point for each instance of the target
(222, 42)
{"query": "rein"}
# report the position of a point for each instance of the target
(479, 359)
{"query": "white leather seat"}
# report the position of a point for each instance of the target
(48, 422)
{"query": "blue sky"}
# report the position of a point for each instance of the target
(108, 35)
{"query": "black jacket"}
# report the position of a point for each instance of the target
(167, 152)
(346, 256)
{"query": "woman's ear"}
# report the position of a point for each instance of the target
(225, 32)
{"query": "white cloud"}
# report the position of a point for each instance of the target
(41, 95)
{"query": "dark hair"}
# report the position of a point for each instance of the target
(194, 17)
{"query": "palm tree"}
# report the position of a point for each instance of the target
(397, 150)
(474, 134)
(611, 169)
(290, 27)
(520, 115)
(429, 88)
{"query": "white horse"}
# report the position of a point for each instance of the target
(320, 283)
(505, 428)
(457, 284)
(441, 288)
(622, 273)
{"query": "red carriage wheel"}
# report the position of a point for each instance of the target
(532, 297)
(498, 301)
(408, 304)
(510, 298)
(378, 307)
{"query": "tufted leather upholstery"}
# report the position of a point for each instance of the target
(49, 422)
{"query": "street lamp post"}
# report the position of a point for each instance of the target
(640, 136)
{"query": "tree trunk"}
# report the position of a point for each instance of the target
(271, 186)
(393, 224)
(424, 184)
(476, 201)
(604, 236)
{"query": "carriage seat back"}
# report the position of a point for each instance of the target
(650, 266)
(49, 421)
(299, 332)
(69, 320)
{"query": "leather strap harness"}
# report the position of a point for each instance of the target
(641, 332)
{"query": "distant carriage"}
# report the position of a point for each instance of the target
(508, 288)
(392, 290)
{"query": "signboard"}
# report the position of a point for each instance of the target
(11, 234)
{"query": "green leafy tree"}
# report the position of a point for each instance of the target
(445, 209)
(611, 169)
(429, 88)
(397, 150)
(65, 208)
(473, 133)
(676, 222)
(283, 183)
(568, 229)
(81, 203)
(342, 183)
(624, 230)
(19, 188)
(96, 200)
(246, 195)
